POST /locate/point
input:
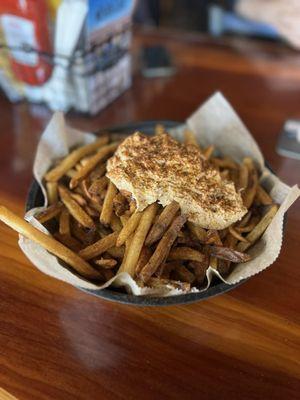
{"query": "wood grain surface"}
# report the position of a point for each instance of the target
(57, 342)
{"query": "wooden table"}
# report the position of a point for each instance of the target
(57, 342)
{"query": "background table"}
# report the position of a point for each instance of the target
(57, 342)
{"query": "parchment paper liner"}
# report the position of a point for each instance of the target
(215, 122)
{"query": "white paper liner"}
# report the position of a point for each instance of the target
(215, 122)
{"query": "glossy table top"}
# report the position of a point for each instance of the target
(57, 342)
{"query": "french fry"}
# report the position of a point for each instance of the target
(143, 259)
(186, 253)
(129, 227)
(127, 247)
(190, 138)
(115, 223)
(107, 274)
(165, 269)
(200, 269)
(70, 173)
(79, 198)
(243, 177)
(74, 208)
(225, 162)
(237, 235)
(95, 205)
(96, 159)
(106, 263)
(230, 241)
(68, 241)
(162, 223)
(68, 162)
(116, 252)
(223, 267)
(107, 208)
(259, 229)
(120, 204)
(163, 248)
(249, 193)
(91, 211)
(52, 194)
(49, 243)
(85, 190)
(181, 273)
(263, 197)
(64, 222)
(84, 235)
(162, 283)
(209, 151)
(138, 239)
(50, 212)
(244, 221)
(213, 262)
(99, 247)
(225, 174)
(98, 172)
(227, 254)
(197, 231)
(97, 186)
(213, 236)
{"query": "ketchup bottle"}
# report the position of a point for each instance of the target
(25, 24)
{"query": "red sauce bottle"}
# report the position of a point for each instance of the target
(25, 24)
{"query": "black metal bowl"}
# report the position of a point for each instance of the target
(35, 199)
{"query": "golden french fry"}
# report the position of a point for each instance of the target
(208, 151)
(138, 239)
(165, 269)
(213, 236)
(225, 162)
(48, 242)
(190, 138)
(213, 262)
(263, 197)
(237, 235)
(99, 247)
(162, 249)
(244, 221)
(259, 229)
(98, 172)
(106, 263)
(68, 241)
(85, 190)
(115, 223)
(64, 222)
(52, 194)
(230, 241)
(95, 205)
(186, 253)
(79, 198)
(96, 159)
(197, 231)
(98, 185)
(84, 235)
(129, 227)
(50, 212)
(249, 193)
(120, 204)
(243, 177)
(68, 162)
(181, 273)
(70, 173)
(107, 208)
(91, 211)
(143, 259)
(116, 252)
(162, 223)
(74, 208)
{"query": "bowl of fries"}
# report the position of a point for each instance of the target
(89, 216)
